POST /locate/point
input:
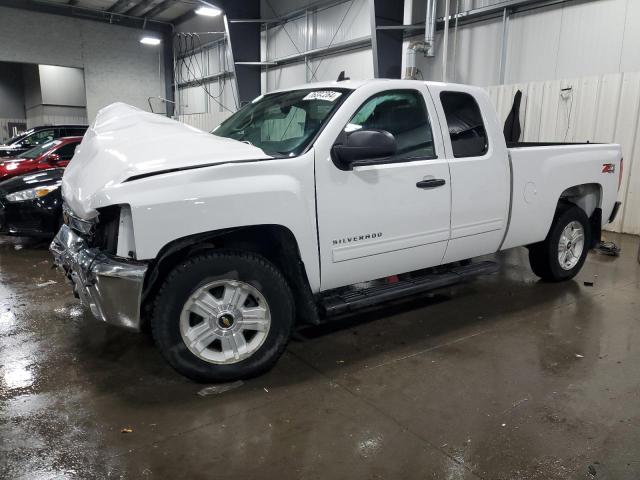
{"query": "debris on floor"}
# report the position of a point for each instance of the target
(579, 356)
(46, 284)
(217, 389)
(588, 284)
(126, 430)
(608, 248)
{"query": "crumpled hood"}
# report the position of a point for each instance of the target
(125, 141)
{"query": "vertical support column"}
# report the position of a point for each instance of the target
(168, 56)
(506, 14)
(307, 42)
(386, 43)
(244, 41)
(445, 40)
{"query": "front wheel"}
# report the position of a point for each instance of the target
(561, 255)
(223, 316)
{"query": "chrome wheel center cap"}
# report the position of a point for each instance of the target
(226, 320)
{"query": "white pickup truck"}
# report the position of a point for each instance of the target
(310, 202)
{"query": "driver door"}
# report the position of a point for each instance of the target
(391, 217)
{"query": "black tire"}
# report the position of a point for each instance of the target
(543, 256)
(199, 270)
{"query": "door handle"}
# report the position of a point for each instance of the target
(431, 183)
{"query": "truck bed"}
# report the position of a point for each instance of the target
(545, 144)
(540, 174)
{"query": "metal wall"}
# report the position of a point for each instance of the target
(603, 108)
(337, 25)
(116, 66)
(571, 39)
(207, 93)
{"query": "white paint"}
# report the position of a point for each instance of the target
(409, 228)
(605, 109)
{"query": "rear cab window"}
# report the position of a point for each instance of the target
(466, 127)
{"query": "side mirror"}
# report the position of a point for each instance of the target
(53, 159)
(364, 145)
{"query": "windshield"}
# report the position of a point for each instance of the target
(17, 138)
(39, 150)
(283, 124)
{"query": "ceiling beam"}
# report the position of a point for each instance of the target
(139, 7)
(159, 8)
(84, 13)
(72, 3)
(119, 6)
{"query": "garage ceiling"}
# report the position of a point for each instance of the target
(160, 10)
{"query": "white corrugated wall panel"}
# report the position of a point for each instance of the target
(204, 121)
(287, 39)
(533, 46)
(286, 76)
(605, 109)
(343, 22)
(358, 65)
(626, 133)
(630, 55)
(591, 34)
(473, 65)
(533, 112)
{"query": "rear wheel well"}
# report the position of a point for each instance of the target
(274, 242)
(588, 197)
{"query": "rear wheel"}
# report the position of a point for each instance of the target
(561, 255)
(223, 316)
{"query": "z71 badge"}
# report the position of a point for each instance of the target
(608, 168)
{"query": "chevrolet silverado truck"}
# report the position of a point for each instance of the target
(310, 202)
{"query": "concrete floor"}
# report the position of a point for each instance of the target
(501, 378)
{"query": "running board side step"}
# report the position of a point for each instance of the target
(337, 303)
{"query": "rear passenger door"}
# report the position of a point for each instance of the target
(479, 167)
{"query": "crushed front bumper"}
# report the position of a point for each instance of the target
(111, 287)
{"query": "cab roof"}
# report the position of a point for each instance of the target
(355, 84)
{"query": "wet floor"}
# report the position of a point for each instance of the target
(500, 378)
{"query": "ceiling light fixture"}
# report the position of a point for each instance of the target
(150, 40)
(208, 11)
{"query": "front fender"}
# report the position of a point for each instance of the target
(170, 206)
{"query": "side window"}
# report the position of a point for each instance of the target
(38, 138)
(66, 151)
(74, 132)
(401, 113)
(466, 128)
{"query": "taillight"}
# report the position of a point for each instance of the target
(620, 173)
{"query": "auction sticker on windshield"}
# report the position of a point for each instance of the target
(326, 95)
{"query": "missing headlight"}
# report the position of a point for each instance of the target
(105, 237)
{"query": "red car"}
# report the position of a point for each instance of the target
(54, 154)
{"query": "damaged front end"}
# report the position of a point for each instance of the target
(109, 285)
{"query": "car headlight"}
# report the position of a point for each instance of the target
(31, 193)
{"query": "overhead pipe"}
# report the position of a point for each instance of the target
(430, 29)
(445, 41)
(426, 47)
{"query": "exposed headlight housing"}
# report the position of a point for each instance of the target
(81, 226)
(31, 193)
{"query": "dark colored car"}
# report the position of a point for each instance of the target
(55, 153)
(37, 136)
(31, 205)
